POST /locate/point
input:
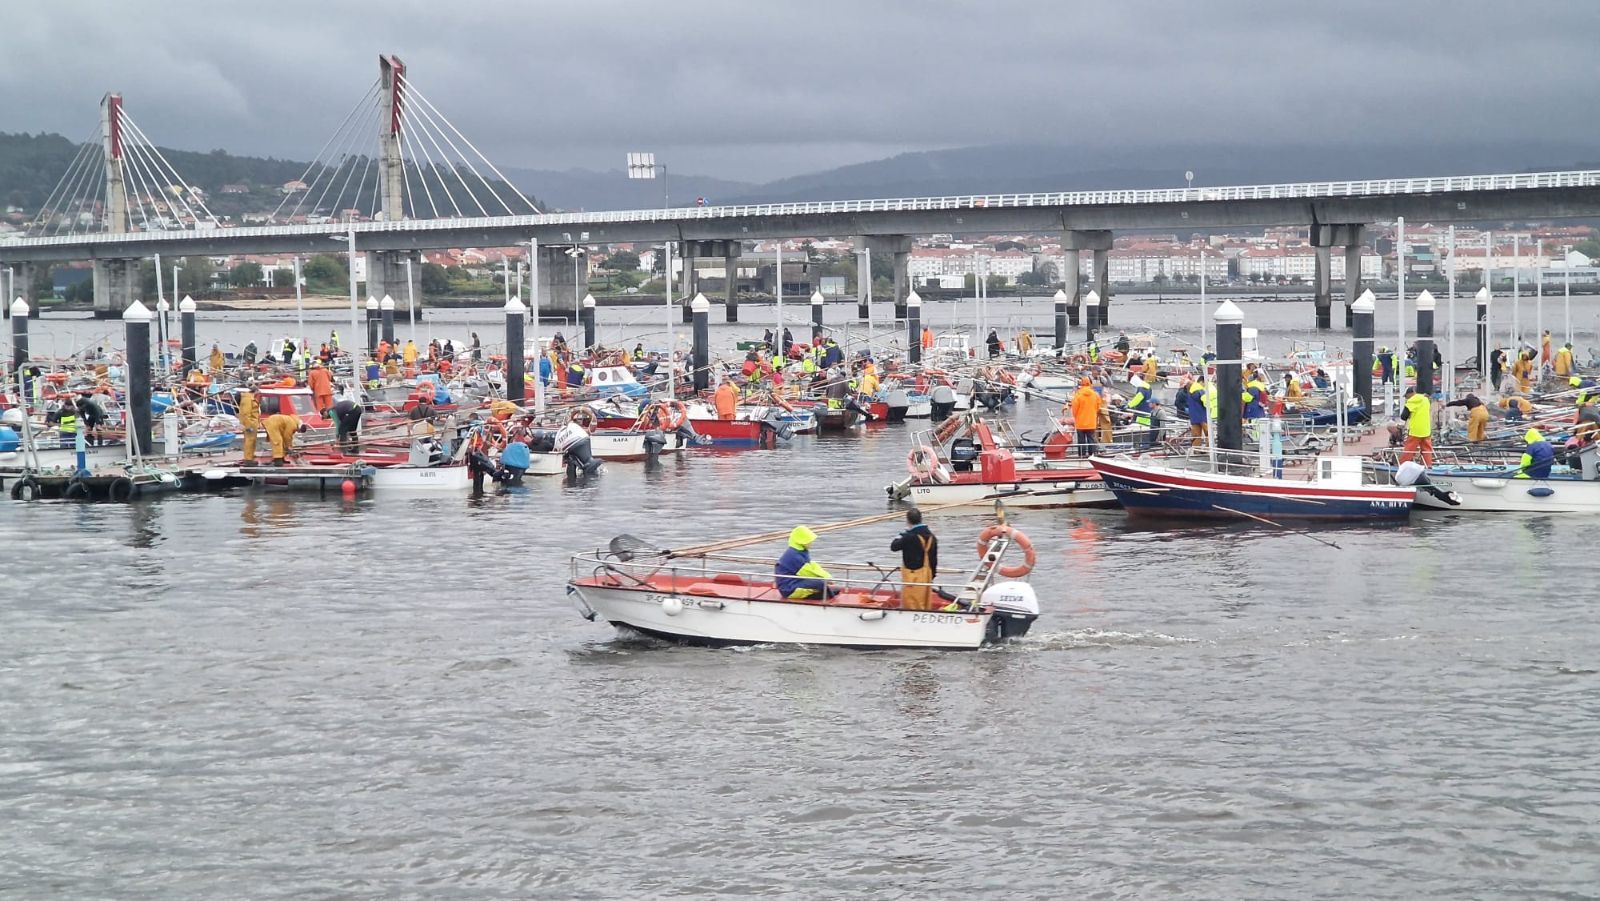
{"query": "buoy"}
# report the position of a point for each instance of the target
(671, 606)
(348, 488)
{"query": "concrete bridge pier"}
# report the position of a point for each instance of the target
(1098, 243)
(558, 281)
(893, 247)
(687, 287)
(1352, 282)
(386, 277)
(1324, 238)
(1102, 284)
(1073, 288)
(1322, 287)
(730, 269)
(116, 287)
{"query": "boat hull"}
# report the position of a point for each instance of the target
(1479, 493)
(1165, 492)
(715, 621)
(421, 478)
(1067, 491)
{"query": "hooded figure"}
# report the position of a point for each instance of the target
(797, 577)
(1537, 459)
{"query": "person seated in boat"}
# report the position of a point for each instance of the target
(919, 561)
(1537, 458)
(1291, 387)
(798, 578)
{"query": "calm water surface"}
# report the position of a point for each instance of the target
(264, 696)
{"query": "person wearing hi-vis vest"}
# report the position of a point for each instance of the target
(798, 578)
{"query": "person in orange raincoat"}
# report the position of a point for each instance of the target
(1085, 408)
(727, 400)
(320, 381)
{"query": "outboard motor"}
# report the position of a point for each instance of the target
(943, 401)
(690, 436)
(573, 442)
(850, 404)
(1411, 473)
(1015, 608)
(1589, 462)
(899, 401)
(963, 453)
(654, 441)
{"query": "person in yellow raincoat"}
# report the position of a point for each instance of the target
(798, 578)
(217, 361)
(249, 422)
(281, 429)
(919, 561)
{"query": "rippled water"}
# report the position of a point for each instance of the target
(265, 696)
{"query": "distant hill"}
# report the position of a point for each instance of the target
(30, 166)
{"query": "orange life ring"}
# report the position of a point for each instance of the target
(1029, 557)
(921, 461)
(665, 414)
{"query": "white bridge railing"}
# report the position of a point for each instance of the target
(1387, 187)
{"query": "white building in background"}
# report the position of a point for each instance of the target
(1290, 262)
(935, 262)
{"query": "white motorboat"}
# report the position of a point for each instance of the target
(1491, 489)
(420, 478)
(712, 599)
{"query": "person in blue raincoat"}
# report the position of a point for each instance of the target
(798, 578)
(1538, 457)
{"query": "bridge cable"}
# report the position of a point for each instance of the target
(150, 147)
(59, 189)
(86, 187)
(72, 198)
(347, 138)
(345, 158)
(429, 104)
(443, 184)
(360, 104)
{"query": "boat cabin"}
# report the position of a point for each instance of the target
(616, 380)
(286, 400)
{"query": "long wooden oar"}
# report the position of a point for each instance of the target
(1276, 525)
(717, 547)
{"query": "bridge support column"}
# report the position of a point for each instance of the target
(19, 283)
(1098, 242)
(1073, 287)
(730, 268)
(386, 275)
(1322, 290)
(1352, 282)
(116, 287)
(1102, 285)
(1324, 238)
(687, 288)
(558, 282)
(902, 263)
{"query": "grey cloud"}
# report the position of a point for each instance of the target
(757, 90)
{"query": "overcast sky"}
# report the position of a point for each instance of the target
(755, 90)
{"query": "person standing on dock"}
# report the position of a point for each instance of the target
(1522, 371)
(1419, 427)
(249, 422)
(919, 562)
(1085, 408)
(409, 357)
(217, 361)
(281, 429)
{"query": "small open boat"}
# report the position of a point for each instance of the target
(718, 599)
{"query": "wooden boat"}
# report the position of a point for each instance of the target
(1335, 491)
(716, 599)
